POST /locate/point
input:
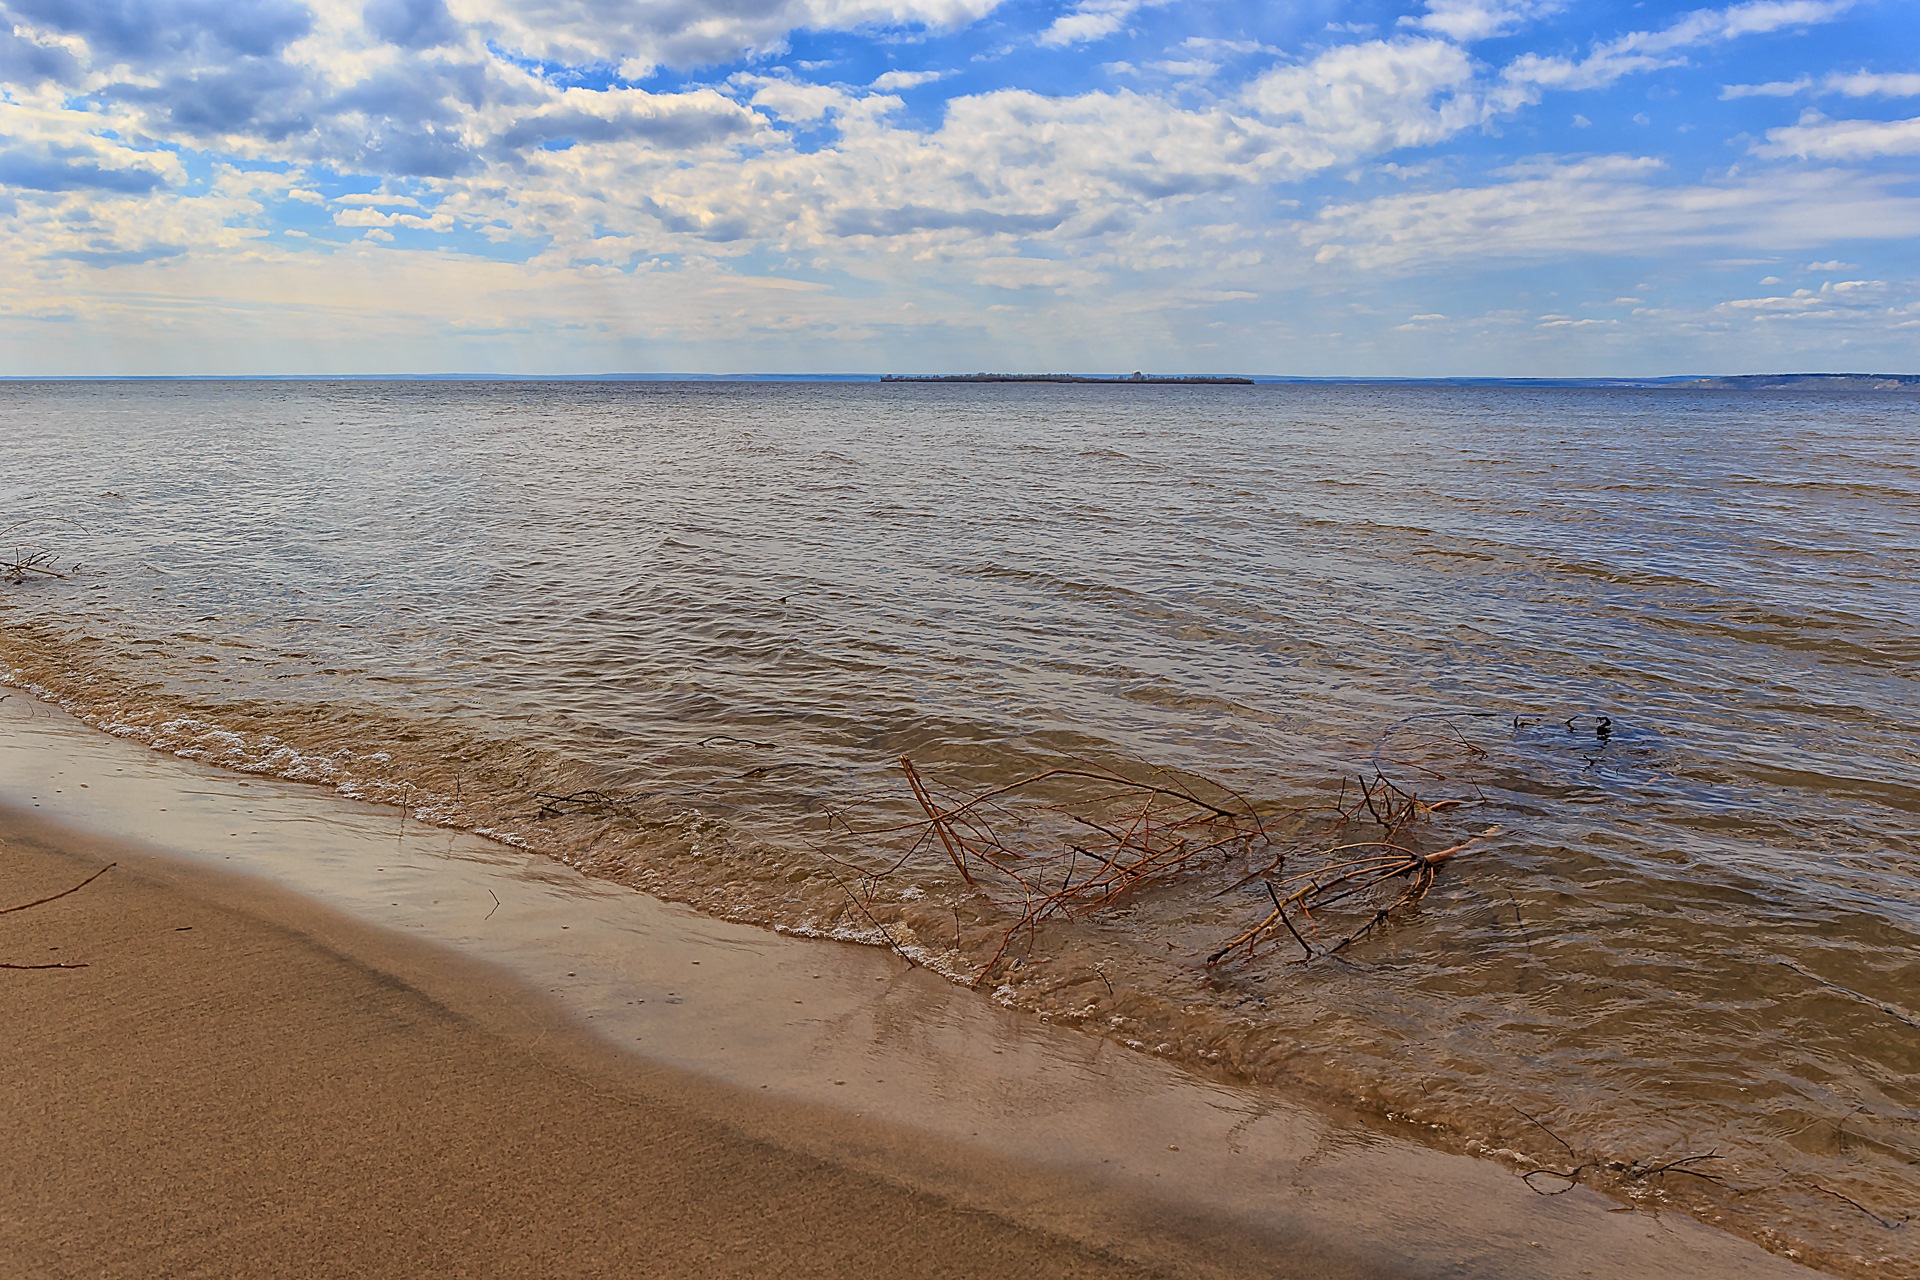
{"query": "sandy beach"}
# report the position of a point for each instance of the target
(309, 1037)
(238, 1084)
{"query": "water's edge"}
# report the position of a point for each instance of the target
(807, 1018)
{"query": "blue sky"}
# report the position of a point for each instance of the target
(1428, 187)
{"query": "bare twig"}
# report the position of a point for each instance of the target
(1888, 1223)
(41, 902)
(935, 820)
(1282, 913)
(1569, 1176)
(1682, 1165)
(1543, 1128)
(1890, 1010)
(861, 907)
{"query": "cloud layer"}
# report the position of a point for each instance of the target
(910, 183)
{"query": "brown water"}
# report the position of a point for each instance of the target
(732, 607)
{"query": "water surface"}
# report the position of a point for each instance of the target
(733, 607)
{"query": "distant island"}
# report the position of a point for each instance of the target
(1131, 379)
(1807, 382)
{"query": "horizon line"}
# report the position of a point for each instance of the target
(1624, 380)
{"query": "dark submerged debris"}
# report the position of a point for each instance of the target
(1891, 1224)
(1892, 1011)
(29, 560)
(1083, 837)
(1071, 841)
(1560, 1181)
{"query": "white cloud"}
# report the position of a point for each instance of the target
(1607, 205)
(1091, 20)
(1369, 97)
(1220, 48)
(1468, 20)
(639, 36)
(1837, 301)
(1854, 84)
(888, 81)
(669, 121)
(254, 183)
(1189, 68)
(1771, 89)
(1650, 50)
(1818, 138)
(1868, 84)
(50, 150)
(1097, 175)
(363, 217)
(791, 100)
(1002, 272)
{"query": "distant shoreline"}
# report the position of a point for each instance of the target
(1809, 382)
(1909, 382)
(1131, 379)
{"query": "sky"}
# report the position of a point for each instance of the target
(1404, 188)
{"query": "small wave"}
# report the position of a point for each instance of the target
(1077, 590)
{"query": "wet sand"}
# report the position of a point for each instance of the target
(311, 1037)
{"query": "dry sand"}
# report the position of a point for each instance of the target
(238, 1084)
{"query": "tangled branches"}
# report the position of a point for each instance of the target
(1085, 838)
(27, 561)
(18, 565)
(1547, 1181)
(1071, 841)
(1339, 882)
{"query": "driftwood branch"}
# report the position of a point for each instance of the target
(41, 902)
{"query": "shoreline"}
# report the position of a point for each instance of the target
(881, 1072)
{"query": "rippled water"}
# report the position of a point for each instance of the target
(732, 607)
